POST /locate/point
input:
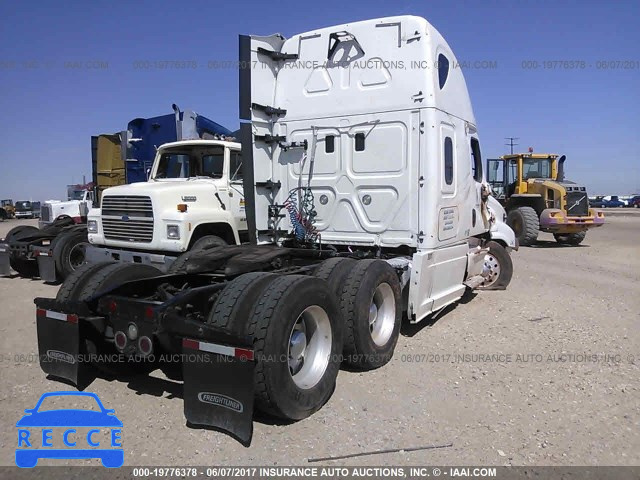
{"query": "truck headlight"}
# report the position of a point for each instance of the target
(92, 226)
(173, 232)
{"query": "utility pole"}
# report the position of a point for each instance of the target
(511, 144)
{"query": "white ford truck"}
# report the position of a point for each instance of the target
(367, 205)
(193, 199)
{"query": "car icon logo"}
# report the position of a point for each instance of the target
(125, 218)
(38, 429)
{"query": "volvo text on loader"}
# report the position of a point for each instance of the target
(366, 202)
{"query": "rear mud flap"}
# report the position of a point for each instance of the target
(5, 265)
(47, 268)
(218, 387)
(59, 347)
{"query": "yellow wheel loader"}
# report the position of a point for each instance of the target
(537, 197)
(8, 209)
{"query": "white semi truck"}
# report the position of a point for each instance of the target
(366, 204)
(193, 199)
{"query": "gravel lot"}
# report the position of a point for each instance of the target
(544, 373)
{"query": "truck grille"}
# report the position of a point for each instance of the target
(577, 204)
(127, 218)
(45, 213)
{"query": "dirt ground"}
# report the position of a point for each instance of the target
(544, 373)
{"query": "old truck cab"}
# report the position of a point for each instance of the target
(194, 191)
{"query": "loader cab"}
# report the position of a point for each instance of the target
(511, 174)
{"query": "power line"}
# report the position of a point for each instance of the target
(511, 144)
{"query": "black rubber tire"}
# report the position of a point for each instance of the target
(334, 271)
(570, 238)
(20, 231)
(525, 224)
(3, 214)
(24, 267)
(64, 246)
(208, 241)
(113, 275)
(74, 283)
(204, 243)
(502, 257)
(235, 303)
(360, 351)
(273, 319)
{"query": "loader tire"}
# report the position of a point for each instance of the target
(69, 251)
(112, 275)
(570, 238)
(74, 283)
(297, 328)
(498, 262)
(371, 306)
(525, 224)
(235, 303)
(334, 271)
(24, 267)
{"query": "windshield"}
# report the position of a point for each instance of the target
(191, 162)
(536, 168)
(23, 205)
(76, 195)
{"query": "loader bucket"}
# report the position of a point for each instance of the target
(218, 387)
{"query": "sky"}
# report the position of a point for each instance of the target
(590, 113)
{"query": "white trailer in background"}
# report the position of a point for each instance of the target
(365, 199)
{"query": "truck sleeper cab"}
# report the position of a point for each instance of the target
(366, 200)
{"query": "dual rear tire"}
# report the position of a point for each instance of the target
(304, 327)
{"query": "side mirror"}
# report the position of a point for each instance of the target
(148, 173)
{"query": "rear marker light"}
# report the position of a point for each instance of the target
(145, 345)
(120, 340)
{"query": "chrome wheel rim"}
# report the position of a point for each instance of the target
(309, 347)
(491, 270)
(382, 314)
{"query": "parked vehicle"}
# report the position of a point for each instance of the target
(116, 159)
(80, 199)
(533, 189)
(613, 202)
(193, 200)
(634, 202)
(23, 209)
(35, 209)
(358, 211)
(8, 210)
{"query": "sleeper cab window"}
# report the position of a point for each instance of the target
(359, 142)
(443, 70)
(329, 144)
(448, 160)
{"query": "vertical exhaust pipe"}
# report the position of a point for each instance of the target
(560, 176)
(176, 110)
